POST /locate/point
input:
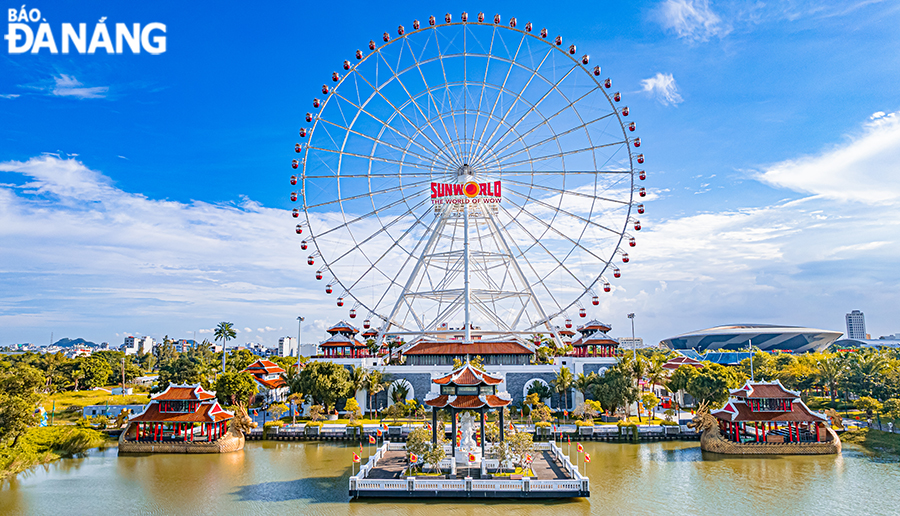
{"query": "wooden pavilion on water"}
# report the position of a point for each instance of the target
(184, 413)
(765, 418)
(465, 389)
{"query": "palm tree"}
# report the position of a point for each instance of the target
(374, 384)
(224, 332)
(358, 379)
(831, 370)
(297, 400)
(655, 371)
(399, 390)
(562, 383)
(583, 383)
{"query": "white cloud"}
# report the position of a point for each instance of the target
(692, 20)
(866, 168)
(9, 96)
(69, 86)
(662, 86)
(91, 248)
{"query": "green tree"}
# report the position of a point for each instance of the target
(562, 383)
(240, 359)
(19, 398)
(891, 409)
(375, 383)
(540, 389)
(358, 379)
(352, 409)
(399, 389)
(868, 405)
(95, 372)
(184, 370)
(224, 332)
(710, 384)
(324, 382)
(615, 388)
(583, 383)
(418, 442)
(831, 370)
(235, 388)
(649, 401)
(277, 410)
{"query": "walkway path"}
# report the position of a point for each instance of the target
(390, 466)
(547, 467)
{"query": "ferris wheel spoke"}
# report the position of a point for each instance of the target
(370, 193)
(409, 230)
(384, 228)
(477, 150)
(413, 101)
(512, 127)
(555, 136)
(566, 192)
(560, 210)
(398, 112)
(362, 217)
(504, 173)
(375, 158)
(563, 154)
(470, 148)
(458, 151)
(347, 176)
(548, 119)
(538, 243)
(378, 141)
(385, 124)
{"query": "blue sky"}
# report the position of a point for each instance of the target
(147, 194)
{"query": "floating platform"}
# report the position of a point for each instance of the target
(555, 477)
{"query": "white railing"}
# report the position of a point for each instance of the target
(578, 482)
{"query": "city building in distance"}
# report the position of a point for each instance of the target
(856, 325)
(766, 337)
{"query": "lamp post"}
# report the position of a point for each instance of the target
(299, 328)
(633, 341)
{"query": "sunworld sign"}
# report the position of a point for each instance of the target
(23, 36)
(466, 193)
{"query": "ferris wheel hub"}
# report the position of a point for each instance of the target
(465, 172)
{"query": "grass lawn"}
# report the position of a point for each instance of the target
(80, 399)
(874, 440)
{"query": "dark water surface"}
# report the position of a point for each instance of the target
(311, 478)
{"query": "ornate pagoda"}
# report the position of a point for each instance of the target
(182, 419)
(269, 377)
(766, 418)
(594, 341)
(467, 389)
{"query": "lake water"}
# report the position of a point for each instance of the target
(311, 478)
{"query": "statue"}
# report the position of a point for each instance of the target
(836, 420)
(122, 418)
(467, 444)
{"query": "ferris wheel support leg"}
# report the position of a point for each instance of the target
(432, 241)
(502, 240)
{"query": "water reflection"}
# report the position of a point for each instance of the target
(311, 478)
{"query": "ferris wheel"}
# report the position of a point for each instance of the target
(471, 173)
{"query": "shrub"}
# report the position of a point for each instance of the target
(589, 422)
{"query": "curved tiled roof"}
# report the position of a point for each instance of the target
(468, 375)
(735, 410)
(263, 366)
(208, 412)
(468, 402)
(184, 393)
(339, 340)
(596, 339)
(594, 324)
(343, 326)
(474, 348)
(772, 389)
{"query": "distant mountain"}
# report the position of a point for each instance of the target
(70, 343)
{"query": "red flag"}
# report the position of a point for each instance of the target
(385, 426)
(356, 458)
(378, 433)
(512, 427)
(568, 439)
(566, 413)
(580, 448)
(528, 459)
(296, 413)
(413, 457)
(360, 447)
(371, 439)
(255, 413)
(587, 457)
(471, 457)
